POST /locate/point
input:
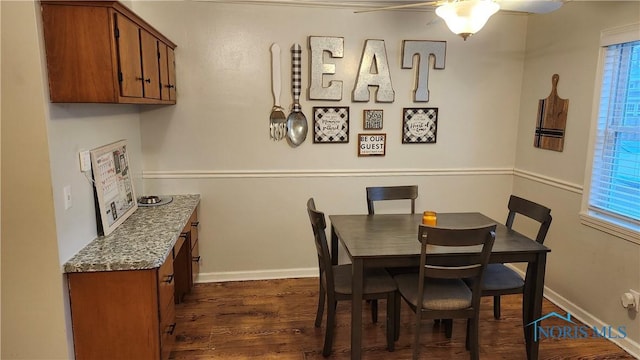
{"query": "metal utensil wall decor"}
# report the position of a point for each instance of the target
(277, 120)
(296, 122)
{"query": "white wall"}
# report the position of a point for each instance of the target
(587, 269)
(215, 141)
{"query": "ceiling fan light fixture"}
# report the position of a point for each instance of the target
(467, 17)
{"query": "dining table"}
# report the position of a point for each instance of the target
(391, 240)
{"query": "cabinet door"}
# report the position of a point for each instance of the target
(171, 63)
(150, 66)
(164, 71)
(130, 65)
(195, 252)
(115, 314)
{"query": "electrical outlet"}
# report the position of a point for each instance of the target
(85, 161)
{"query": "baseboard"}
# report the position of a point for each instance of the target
(256, 275)
(627, 344)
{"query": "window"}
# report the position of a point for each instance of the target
(614, 191)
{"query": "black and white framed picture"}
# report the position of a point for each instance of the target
(372, 119)
(419, 125)
(331, 124)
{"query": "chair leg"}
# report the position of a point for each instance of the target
(472, 338)
(448, 327)
(391, 321)
(321, 299)
(397, 313)
(496, 307)
(331, 324)
(416, 336)
(467, 344)
(374, 311)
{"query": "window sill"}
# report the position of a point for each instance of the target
(612, 226)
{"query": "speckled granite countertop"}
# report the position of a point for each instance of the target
(143, 241)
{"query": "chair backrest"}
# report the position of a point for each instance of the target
(537, 212)
(319, 225)
(380, 193)
(471, 267)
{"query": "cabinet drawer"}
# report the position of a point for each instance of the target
(166, 282)
(194, 224)
(168, 330)
(195, 261)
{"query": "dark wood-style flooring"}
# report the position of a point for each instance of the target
(274, 319)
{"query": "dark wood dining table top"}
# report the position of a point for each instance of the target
(389, 235)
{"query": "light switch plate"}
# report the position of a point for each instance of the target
(85, 161)
(67, 197)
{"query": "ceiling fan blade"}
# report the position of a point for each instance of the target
(530, 6)
(405, 6)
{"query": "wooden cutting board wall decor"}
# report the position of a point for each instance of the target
(551, 120)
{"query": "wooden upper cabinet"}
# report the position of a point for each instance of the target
(102, 52)
(167, 72)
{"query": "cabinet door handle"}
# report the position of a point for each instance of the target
(169, 279)
(148, 81)
(196, 259)
(172, 328)
(195, 224)
(170, 86)
(139, 78)
(184, 235)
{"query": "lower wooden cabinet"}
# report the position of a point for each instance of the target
(187, 259)
(131, 314)
(123, 314)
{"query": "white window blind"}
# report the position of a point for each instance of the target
(615, 178)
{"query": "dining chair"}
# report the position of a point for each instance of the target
(383, 193)
(438, 291)
(500, 279)
(335, 284)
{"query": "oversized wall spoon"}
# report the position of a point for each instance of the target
(296, 121)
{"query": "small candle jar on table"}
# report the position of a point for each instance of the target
(429, 218)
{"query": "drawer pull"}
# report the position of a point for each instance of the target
(169, 279)
(184, 235)
(195, 223)
(172, 328)
(196, 259)
(148, 81)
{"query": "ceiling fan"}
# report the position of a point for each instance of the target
(467, 17)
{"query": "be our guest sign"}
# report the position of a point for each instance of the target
(371, 144)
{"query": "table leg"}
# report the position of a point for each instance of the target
(334, 246)
(532, 303)
(356, 308)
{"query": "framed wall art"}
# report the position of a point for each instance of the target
(372, 144)
(372, 119)
(419, 125)
(331, 124)
(114, 193)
